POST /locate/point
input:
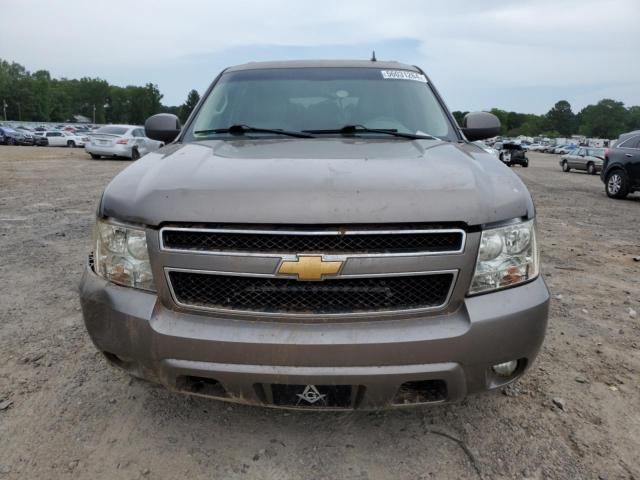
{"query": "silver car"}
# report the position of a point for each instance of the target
(583, 158)
(120, 141)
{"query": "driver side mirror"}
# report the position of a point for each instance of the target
(480, 125)
(164, 127)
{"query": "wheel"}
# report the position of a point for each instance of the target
(95, 157)
(591, 168)
(11, 141)
(525, 164)
(617, 184)
(135, 155)
(71, 144)
(565, 166)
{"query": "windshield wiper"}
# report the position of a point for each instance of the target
(242, 129)
(355, 129)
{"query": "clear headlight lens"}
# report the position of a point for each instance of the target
(122, 256)
(507, 256)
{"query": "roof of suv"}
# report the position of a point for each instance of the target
(322, 64)
(628, 135)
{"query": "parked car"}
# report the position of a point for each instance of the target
(621, 170)
(295, 251)
(567, 149)
(549, 148)
(9, 136)
(513, 154)
(56, 138)
(28, 138)
(120, 141)
(75, 139)
(559, 149)
(40, 139)
(583, 158)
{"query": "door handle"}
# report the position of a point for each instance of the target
(628, 155)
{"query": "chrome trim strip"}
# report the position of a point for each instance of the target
(237, 253)
(375, 313)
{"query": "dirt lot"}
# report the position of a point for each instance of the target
(65, 414)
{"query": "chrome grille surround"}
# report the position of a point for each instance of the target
(310, 233)
(266, 264)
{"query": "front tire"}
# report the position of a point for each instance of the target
(95, 157)
(617, 184)
(135, 155)
(71, 144)
(591, 168)
(565, 166)
(525, 164)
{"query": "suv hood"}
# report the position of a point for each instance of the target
(317, 181)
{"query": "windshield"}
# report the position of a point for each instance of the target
(596, 152)
(299, 99)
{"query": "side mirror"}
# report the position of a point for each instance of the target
(163, 127)
(480, 125)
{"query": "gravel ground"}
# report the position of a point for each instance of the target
(65, 414)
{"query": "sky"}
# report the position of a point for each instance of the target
(519, 55)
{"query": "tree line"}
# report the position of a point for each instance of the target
(37, 97)
(606, 119)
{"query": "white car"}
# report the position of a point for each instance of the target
(55, 138)
(534, 147)
(76, 139)
(120, 141)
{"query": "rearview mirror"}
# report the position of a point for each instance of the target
(164, 127)
(480, 125)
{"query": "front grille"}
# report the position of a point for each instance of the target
(286, 296)
(372, 242)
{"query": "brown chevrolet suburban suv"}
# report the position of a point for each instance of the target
(319, 234)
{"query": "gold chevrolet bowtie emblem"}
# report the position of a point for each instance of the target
(309, 267)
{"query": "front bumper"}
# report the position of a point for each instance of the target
(140, 334)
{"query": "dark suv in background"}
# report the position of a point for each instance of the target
(621, 170)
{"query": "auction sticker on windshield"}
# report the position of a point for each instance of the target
(403, 75)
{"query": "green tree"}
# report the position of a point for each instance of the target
(561, 118)
(459, 116)
(606, 119)
(186, 108)
(633, 118)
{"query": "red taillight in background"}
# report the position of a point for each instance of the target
(123, 141)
